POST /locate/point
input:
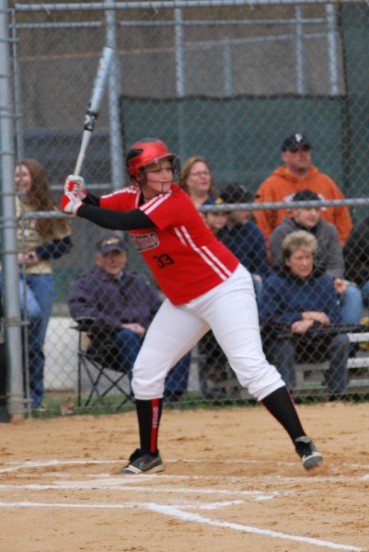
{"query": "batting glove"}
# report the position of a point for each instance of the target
(70, 203)
(76, 184)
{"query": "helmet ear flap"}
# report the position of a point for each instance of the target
(131, 164)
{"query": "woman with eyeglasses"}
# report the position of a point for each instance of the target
(197, 179)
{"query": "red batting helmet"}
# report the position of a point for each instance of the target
(145, 152)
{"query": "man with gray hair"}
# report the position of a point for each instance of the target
(122, 304)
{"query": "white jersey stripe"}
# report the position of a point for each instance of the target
(216, 260)
(180, 229)
(180, 237)
(204, 253)
(123, 191)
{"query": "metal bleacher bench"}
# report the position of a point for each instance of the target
(309, 377)
(358, 366)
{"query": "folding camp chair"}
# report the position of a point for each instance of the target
(100, 363)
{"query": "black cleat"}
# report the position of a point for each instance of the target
(309, 454)
(143, 463)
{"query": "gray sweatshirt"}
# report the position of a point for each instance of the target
(329, 253)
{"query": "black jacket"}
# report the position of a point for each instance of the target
(356, 253)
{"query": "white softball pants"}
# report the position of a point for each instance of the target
(230, 311)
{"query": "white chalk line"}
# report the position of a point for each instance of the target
(188, 516)
(127, 505)
(121, 485)
(229, 478)
(178, 513)
(175, 511)
(17, 466)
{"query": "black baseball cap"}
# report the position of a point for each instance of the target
(236, 193)
(110, 242)
(305, 195)
(294, 142)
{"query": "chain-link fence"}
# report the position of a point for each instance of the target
(226, 81)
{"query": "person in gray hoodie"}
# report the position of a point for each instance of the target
(329, 255)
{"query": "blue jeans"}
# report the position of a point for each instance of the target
(36, 296)
(43, 290)
(352, 305)
(283, 354)
(365, 293)
(177, 379)
(26, 296)
(128, 343)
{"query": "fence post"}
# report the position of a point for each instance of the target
(13, 340)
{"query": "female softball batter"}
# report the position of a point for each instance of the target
(206, 288)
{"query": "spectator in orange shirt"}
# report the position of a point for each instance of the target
(298, 173)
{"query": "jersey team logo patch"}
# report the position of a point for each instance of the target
(144, 242)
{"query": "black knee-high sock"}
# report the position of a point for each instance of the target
(281, 406)
(149, 414)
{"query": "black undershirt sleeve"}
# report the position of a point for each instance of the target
(116, 220)
(92, 199)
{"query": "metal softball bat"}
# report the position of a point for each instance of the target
(94, 103)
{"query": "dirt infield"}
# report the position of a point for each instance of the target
(232, 482)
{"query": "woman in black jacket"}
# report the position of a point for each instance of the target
(356, 257)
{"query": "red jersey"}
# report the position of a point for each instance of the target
(183, 254)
